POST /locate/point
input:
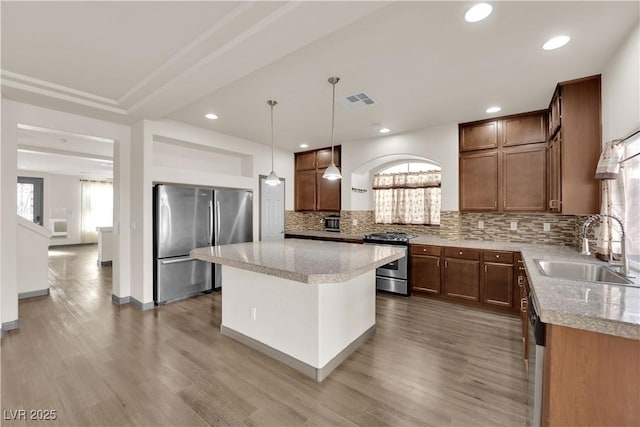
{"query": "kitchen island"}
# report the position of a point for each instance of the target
(306, 303)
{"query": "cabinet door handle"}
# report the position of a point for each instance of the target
(495, 205)
(485, 268)
(445, 263)
(438, 263)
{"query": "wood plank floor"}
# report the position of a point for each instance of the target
(98, 364)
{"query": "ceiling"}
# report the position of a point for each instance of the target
(64, 153)
(420, 61)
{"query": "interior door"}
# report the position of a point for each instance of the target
(271, 210)
(30, 199)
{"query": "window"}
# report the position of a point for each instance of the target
(97, 208)
(30, 199)
(621, 197)
(408, 193)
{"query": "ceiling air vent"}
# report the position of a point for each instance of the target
(356, 101)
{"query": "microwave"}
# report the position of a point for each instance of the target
(332, 223)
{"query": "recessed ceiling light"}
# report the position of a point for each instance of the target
(556, 42)
(478, 12)
(304, 145)
(211, 116)
(493, 109)
(384, 130)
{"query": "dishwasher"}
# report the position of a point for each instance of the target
(536, 363)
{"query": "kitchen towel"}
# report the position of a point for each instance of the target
(609, 163)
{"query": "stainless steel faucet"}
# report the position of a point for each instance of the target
(585, 241)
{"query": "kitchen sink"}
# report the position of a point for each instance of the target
(582, 271)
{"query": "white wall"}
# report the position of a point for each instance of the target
(33, 260)
(14, 113)
(61, 199)
(621, 89)
(439, 144)
(188, 145)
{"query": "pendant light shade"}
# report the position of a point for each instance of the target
(272, 179)
(332, 172)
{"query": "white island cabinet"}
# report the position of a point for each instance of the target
(306, 303)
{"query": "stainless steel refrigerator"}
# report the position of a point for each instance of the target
(186, 218)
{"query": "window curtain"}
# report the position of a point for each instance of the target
(620, 198)
(407, 198)
(96, 209)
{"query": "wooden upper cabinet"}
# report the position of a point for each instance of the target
(306, 161)
(312, 192)
(328, 194)
(555, 112)
(478, 136)
(524, 178)
(323, 157)
(479, 181)
(305, 190)
(581, 143)
(524, 129)
(554, 173)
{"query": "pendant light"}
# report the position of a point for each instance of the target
(272, 179)
(332, 172)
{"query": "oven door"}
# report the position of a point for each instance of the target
(396, 269)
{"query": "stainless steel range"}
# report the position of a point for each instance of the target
(392, 277)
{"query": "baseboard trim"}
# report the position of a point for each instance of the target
(33, 294)
(9, 326)
(141, 305)
(120, 300)
(318, 374)
(105, 263)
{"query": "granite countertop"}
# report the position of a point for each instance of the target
(305, 261)
(598, 307)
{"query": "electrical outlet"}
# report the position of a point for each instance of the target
(253, 313)
(354, 222)
(480, 225)
(321, 221)
(514, 225)
(546, 226)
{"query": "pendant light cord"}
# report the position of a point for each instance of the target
(271, 137)
(333, 81)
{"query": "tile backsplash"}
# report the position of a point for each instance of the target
(533, 228)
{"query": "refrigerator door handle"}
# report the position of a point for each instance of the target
(210, 222)
(218, 222)
(177, 260)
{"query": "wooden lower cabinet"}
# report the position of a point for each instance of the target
(481, 278)
(425, 269)
(590, 379)
(462, 279)
(497, 284)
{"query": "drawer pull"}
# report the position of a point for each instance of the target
(497, 256)
(424, 249)
(460, 253)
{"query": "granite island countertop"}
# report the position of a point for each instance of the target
(305, 261)
(597, 307)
